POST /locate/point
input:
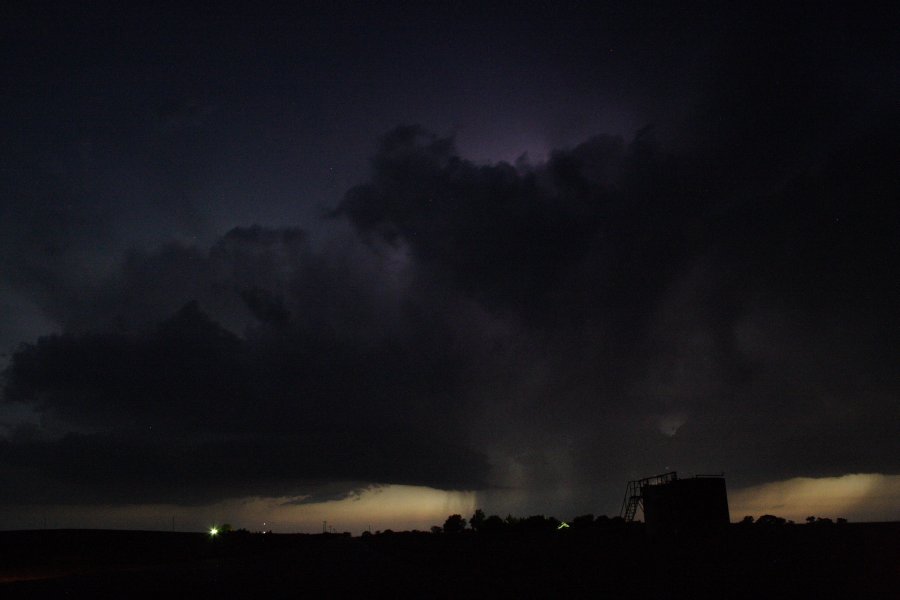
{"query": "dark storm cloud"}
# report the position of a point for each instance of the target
(609, 312)
(314, 391)
(333, 493)
(715, 292)
(97, 468)
(518, 239)
(667, 289)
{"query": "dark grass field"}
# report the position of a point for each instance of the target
(841, 561)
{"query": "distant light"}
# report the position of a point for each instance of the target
(213, 531)
(563, 525)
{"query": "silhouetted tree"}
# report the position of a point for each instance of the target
(539, 522)
(477, 520)
(436, 529)
(583, 521)
(770, 521)
(493, 524)
(454, 524)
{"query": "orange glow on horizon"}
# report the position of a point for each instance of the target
(856, 497)
(396, 507)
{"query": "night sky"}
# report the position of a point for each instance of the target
(374, 265)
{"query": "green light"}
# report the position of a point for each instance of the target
(213, 531)
(563, 525)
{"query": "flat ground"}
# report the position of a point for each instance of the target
(840, 561)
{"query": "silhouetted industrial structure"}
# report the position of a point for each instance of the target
(673, 506)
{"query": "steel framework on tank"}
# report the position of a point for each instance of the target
(634, 493)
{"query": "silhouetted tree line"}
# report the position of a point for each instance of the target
(773, 521)
(481, 523)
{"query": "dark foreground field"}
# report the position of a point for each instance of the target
(847, 561)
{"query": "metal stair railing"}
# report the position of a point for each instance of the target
(634, 493)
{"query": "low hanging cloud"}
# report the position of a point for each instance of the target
(531, 329)
(314, 390)
(640, 289)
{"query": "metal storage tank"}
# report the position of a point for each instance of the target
(679, 507)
